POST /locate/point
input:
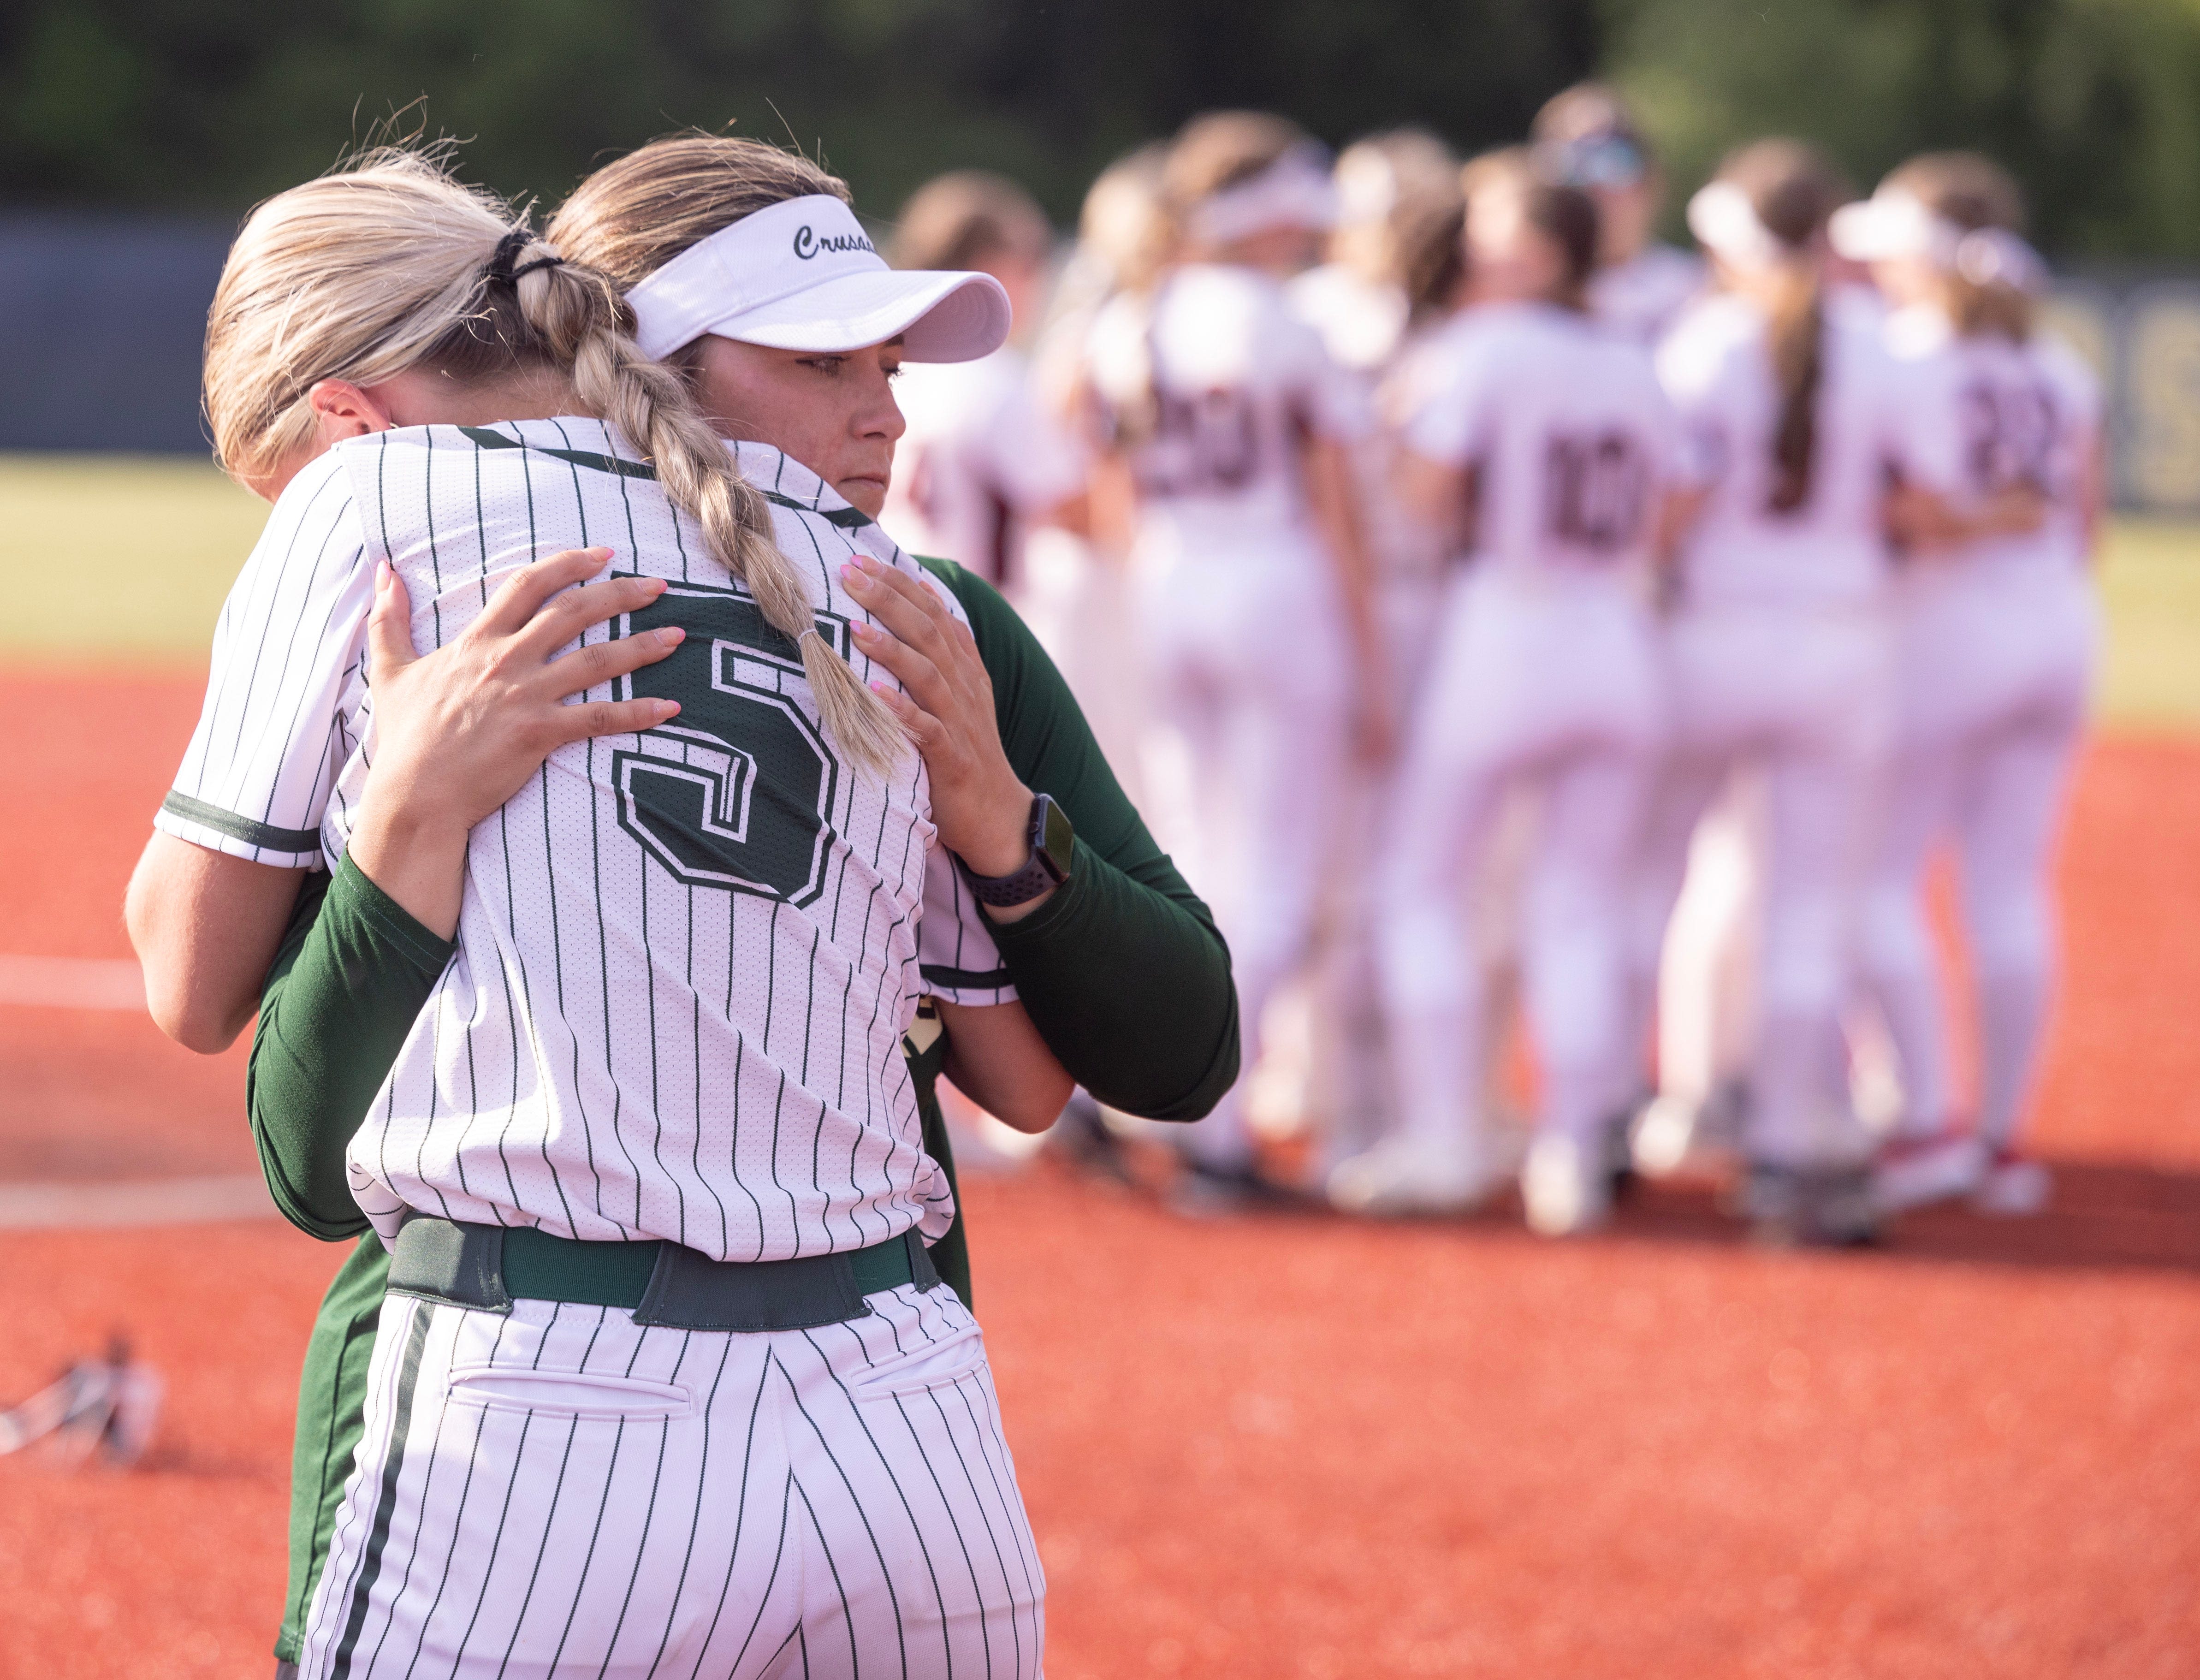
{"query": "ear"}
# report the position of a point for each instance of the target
(341, 410)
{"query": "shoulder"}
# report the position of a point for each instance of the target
(318, 512)
(1361, 325)
(2070, 374)
(997, 628)
(1671, 267)
(1919, 335)
(322, 487)
(1709, 338)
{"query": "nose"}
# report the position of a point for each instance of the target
(880, 416)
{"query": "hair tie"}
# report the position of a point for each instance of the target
(513, 243)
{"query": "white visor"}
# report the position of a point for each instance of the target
(802, 275)
(1294, 191)
(1891, 225)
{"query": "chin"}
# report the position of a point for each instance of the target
(866, 495)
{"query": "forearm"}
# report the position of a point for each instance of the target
(1337, 509)
(351, 979)
(997, 1059)
(417, 859)
(1122, 969)
(1130, 990)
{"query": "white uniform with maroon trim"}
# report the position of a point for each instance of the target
(685, 962)
(1244, 629)
(1369, 333)
(1545, 675)
(1997, 645)
(1781, 659)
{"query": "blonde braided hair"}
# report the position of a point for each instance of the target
(385, 266)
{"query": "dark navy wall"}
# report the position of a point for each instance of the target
(101, 325)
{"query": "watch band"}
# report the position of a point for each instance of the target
(1052, 841)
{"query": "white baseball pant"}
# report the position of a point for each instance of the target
(1553, 686)
(1248, 658)
(1996, 673)
(1805, 694)
(1351, 1071)
(559, 1492)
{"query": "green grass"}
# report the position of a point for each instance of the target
(117, 558)
(120, 559)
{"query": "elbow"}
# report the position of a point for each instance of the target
(1036, 1105)
(188, 1022)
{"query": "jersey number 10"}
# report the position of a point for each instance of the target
(736, 792)
(1593, 490)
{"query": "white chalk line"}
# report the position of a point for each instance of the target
(142, 1201)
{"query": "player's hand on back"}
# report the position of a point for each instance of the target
(981, 808)
(459, 730)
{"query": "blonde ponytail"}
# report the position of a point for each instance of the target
(391, 264)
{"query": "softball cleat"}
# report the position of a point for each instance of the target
(1918, 1172)
(1566, 1187)
(1401, 1177)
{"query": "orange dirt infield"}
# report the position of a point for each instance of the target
(1290, 1446)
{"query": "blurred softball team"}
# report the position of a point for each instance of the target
(1516, 623)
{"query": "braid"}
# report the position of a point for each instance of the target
(584, 322)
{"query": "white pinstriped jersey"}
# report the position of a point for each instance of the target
(686, 958)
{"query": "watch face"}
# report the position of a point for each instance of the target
(1056, 840)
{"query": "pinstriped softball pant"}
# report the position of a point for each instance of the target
(559, 1492)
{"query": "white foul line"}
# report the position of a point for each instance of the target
(73, 983)
(80, 1206)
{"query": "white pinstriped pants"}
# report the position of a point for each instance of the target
(557, 1493)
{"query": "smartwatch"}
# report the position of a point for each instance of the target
(1052, 841)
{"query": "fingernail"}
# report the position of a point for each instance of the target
(865, 633)
(850, 576)
(869, 565)
(655, 586)
(667, 709)
(673, 637)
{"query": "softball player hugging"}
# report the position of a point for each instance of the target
(658, 1098)
(1260, 635)
(1555, 436)
(342, 999)
(1998, 640)
(1778, 650)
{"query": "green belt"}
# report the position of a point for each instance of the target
(486, 1267)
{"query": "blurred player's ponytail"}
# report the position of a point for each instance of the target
(1791, 190)
(1564, 216)
(1975, 194)
(1400, 215)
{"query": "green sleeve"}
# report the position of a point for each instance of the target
(353, 973)
(1123, 971)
